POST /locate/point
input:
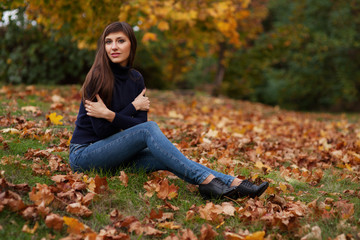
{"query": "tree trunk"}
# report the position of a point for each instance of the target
(220, 71)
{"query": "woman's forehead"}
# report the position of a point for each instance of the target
(116, 35)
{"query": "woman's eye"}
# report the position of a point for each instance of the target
(121, 41)
(107, 42)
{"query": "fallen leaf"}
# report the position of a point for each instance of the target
(74, 226)
(169, 225)
(256, 236)
(207, 232)
(315, 234)
(10, 130)
(27, 229)
(79, 210)
(54, 221)
(124, 178)
(55, 119)
(41, 193)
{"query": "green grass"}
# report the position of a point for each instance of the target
(130, 200)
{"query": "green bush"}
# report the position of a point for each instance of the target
(308, 58)
(29, 55)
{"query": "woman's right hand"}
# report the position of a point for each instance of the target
(141, 103)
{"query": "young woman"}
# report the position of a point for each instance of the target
(112, 130)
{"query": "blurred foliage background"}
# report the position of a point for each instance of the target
(302, 54)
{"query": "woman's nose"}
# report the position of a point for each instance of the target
(113, 45)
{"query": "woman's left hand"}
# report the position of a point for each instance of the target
(98, 109)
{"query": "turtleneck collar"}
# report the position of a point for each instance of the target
(120, 72)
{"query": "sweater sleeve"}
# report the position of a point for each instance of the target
(129, 117)
(126, 118)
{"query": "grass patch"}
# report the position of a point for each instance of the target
(336, 184)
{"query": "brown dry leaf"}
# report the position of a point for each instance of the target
(101, 185)
(207, 232)
(54, 221)
(172, 236)
(277, 200)
(211, 212)
(79, 186)
(156, 215)
(150, 187)
(79, 210)
(170, 206)
(167, 191)
(346, 209)
(115, 215)
(88, 198)
(228, 208)
(315, 234)
(16, 204)
(128, 220)
(136, 227)
(41, 193)
(188, 234)
(190, 215)
(151, 231)
(29, 213)
(124, 178)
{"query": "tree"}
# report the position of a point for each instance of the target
(187, 27)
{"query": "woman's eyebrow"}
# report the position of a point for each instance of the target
(107, 38)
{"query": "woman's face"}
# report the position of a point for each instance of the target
(117, 47)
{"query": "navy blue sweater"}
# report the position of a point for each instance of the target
(128, 85)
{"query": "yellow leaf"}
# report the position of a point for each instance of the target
(283, 187)
(163, 26)
(355, 155)
(348, 166)
(68, 141)
(149, 37)
(256, 236)
(255, 177)
(169, 225)
(55, 119)
(74, 226)
(260, 165)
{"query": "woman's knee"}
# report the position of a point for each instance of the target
(152, 124)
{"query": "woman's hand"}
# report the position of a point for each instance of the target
(98, 109)
(141, 103)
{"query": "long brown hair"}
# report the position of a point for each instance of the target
(100, 79)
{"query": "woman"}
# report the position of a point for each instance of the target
(112, 130)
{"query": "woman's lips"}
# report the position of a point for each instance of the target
(115, 54)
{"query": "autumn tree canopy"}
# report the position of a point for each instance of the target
(185, 27)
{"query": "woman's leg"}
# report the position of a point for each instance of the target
(120, 148)
(146, 161)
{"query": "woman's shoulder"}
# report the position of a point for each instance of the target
(135, 74)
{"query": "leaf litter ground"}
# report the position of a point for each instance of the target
(311, 161)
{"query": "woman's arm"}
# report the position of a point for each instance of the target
(106, 122)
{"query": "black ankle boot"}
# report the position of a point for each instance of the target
(216, 189)
(247, 188)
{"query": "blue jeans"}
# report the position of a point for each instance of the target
(144, 147)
